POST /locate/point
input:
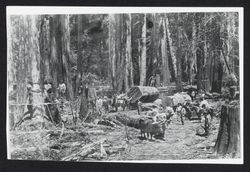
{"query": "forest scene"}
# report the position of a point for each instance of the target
(132, 86)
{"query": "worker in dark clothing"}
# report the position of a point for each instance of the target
(51, 108)
(152, 80)
(205, 113)
(30, 107)
(86, 89)
(192, 95)
(139, 107)
(80, 89)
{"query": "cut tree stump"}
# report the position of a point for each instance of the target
(228, 140)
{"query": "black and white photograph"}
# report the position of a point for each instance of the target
(116, 84)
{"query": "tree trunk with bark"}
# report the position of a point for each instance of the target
(165, 67)
(27, 57)
(128, 56)
(143, 54)
(112, 50)
(192, 61)
(228, 139)
(60, 52)
(178, 61)
(79, 52)
(65, 40)
(44, 45)
(171, 47)
(199, 53)
(120, 52)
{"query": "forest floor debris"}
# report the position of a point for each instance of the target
(103, 141)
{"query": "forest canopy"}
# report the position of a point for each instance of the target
(122, 50)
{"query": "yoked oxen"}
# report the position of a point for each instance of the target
(156, 126)
(120, 101)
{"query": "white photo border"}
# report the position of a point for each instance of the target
(40, 10)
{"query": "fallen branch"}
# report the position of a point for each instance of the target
(84, 152)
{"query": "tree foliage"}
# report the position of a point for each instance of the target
(198, 48)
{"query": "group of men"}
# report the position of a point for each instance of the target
(154, 80)
(201, 109)
(56, 96)
(156, 124)
(49, 104)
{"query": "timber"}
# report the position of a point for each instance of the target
(143, 93)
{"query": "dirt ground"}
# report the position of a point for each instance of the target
(35, 141)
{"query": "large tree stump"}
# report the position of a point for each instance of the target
(228, 140)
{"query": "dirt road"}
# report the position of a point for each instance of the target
(180, 143)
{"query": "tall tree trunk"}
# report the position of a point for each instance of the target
(193, 59)
(66, 54)
(199, 54)
(120, 52)
(44, 44)
(155, 48)
(128, 63)
(178, 60)
(206, 59)
(60, 52)
(27, 57)
(79, 51)
(199, 69)
(11, 73)
(172, 51)
(228, 40)
(143, 54)
(54, 54)
(165, 67)
(112, 48)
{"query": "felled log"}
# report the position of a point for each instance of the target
(129, 120)
(190, 88)
(167, 90)
(175, 99)
(149, 106)
(142, 93)
(106, 122)
(228, 140)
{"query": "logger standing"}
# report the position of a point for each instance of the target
(31, 109)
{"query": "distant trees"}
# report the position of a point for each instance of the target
(126, 49)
